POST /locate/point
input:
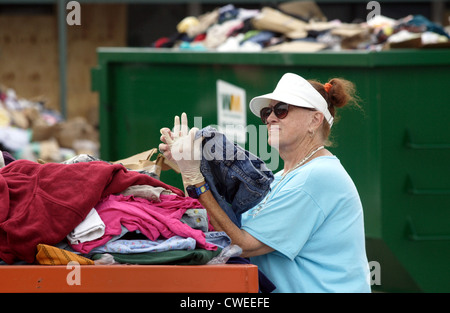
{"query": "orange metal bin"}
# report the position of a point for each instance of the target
(239, 278)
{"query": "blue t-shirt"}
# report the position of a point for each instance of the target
(313, 219)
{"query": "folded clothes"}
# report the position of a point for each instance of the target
(173, 257)
(197, 219)
(154, 219)
(91, 228)
(218, 238)
(142, 246)
(128, 242)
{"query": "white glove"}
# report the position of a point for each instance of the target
(182, 148)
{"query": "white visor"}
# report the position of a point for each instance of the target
(295, 90)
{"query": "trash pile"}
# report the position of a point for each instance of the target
(30, 131)
(299, 26)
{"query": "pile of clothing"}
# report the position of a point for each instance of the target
(88, 208)
(100, 212)
(29, 130)
(412, 31)
(298, 26)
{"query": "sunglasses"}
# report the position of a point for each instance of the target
(280, 110)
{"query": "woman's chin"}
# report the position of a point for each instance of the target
(273, 139)
(273, 142)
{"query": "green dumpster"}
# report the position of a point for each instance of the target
(397, 148)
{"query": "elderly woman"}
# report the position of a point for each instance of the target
(307, 234)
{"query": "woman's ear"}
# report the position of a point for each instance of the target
(316, 120)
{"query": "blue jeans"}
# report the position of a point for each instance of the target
(218, 238)
(237, 179)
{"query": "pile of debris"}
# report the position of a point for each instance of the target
(30, 131)
(298, 26)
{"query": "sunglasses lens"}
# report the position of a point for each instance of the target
(264, 113)
(281, 110)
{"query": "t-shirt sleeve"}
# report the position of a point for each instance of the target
(285, 222)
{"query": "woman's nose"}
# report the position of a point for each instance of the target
(272, 117)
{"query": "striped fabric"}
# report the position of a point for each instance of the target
(49, 255)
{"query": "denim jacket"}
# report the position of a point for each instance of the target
(237, 179)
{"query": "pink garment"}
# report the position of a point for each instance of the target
(153, 219)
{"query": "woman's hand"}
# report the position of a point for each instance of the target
(167, 133)
(181, 147)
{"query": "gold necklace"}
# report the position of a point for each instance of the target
(260, 207)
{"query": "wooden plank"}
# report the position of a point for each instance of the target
(101, 26)
(29, 55)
